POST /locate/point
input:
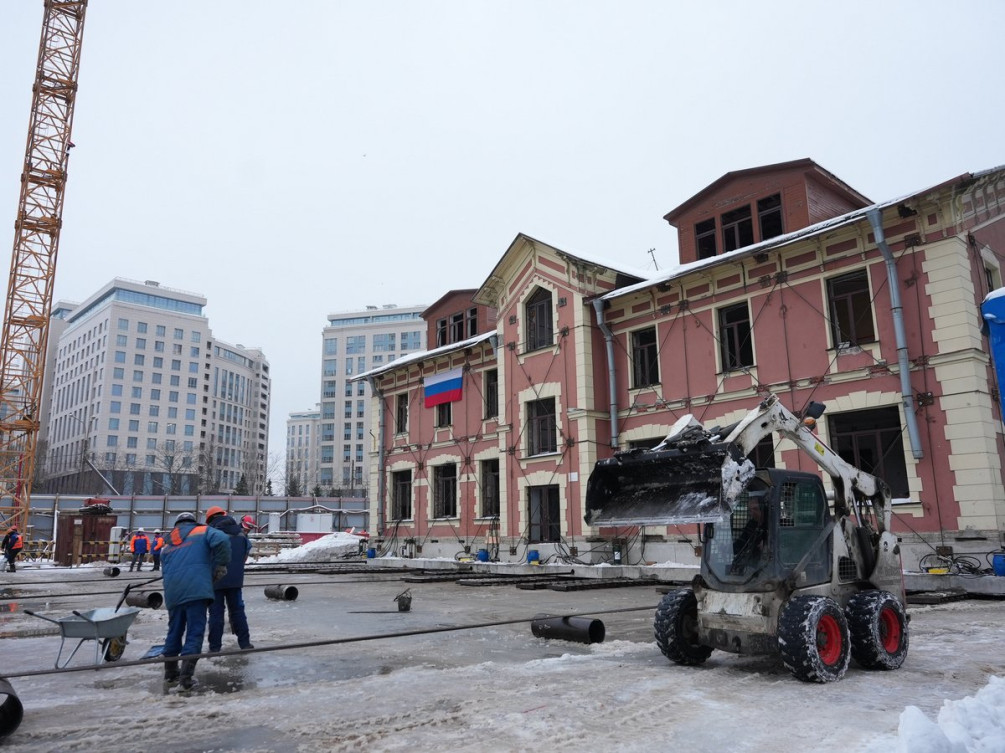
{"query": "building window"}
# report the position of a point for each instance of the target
(331, 346)
(645, 362)
(704, 237)
(490, 487)
(873, 441)
(769, 216)
(736, 348)
(737, 229)
(492, 393)
(441, 332)
(456, 327)
(541, 427)
(851, 309)
(763, 454)
(445, 491)
(401, 495)
(545, 523)
(539, 321)
(444, 416)
(401, 414)
(471, 322)
(384, 342)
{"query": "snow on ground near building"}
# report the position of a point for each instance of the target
(496, 688)
(331, 548)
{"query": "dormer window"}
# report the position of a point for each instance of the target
(769, 216)
(704, 233)
(737, 229)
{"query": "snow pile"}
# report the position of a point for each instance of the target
(972, 724)
(331, 548)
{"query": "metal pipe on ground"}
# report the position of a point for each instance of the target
(578, 629)
(111, 572)
(11, 710)
(282, 593)
(149, 600)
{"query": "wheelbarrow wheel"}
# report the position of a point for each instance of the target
(114, 647)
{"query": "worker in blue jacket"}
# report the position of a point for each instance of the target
(228, 588)
(193, 557)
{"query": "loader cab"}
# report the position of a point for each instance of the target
(776, 521)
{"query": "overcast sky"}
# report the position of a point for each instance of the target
(292, 159)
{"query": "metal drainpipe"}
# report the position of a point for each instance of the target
(381, 484)
(876, 219)
(598, 308)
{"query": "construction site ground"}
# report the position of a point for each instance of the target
(342, 668)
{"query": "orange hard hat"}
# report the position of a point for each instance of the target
(214, 511)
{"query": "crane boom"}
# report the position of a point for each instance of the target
(33, 261)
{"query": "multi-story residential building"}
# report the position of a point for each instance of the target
(303, 451)
(144, 400)
(790, 283)
(354, 342)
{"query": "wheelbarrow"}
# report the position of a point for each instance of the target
(106, 626)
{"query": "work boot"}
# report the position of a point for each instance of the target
(187, 670)
(171, 671)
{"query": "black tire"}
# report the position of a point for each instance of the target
(676, 627)
(113, 648)
(813, 639)
(878, 624)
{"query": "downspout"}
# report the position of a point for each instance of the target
(897, 309)
(381, 481)
(598, 308)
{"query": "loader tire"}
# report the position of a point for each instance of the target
(878, 624)
(813, 639)
(676, 627)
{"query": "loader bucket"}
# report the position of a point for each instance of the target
(666, 487)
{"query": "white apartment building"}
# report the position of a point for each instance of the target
(303, 450)
(142, 399)
(354, 342)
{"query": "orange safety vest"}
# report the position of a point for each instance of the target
(158, 543)
(17, 541)
(132, 541)
(176, 539)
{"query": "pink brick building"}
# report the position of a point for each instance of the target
(790, 282)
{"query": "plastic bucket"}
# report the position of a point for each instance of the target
(483, 555)
(998, 564)
(371, 553)
(533, 557)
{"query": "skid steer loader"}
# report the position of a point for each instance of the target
(781, 572)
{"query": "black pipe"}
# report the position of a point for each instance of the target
(111, 572)
(578, 629)
(149, 600)
(11, 710)
(282, 593)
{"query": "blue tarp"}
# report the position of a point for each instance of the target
(993, 311)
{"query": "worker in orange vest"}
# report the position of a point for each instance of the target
(156, 551)
(11, 546)
(139, 545)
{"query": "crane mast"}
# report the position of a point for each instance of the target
(33, 261)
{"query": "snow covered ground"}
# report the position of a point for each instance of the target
(496, 688)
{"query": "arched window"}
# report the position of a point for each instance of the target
(540, 329)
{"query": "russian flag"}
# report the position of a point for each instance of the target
(443, 388)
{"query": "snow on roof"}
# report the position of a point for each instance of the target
(780, 240)
(421, 355)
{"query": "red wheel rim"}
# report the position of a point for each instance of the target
(889, 630)
(829, 640)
